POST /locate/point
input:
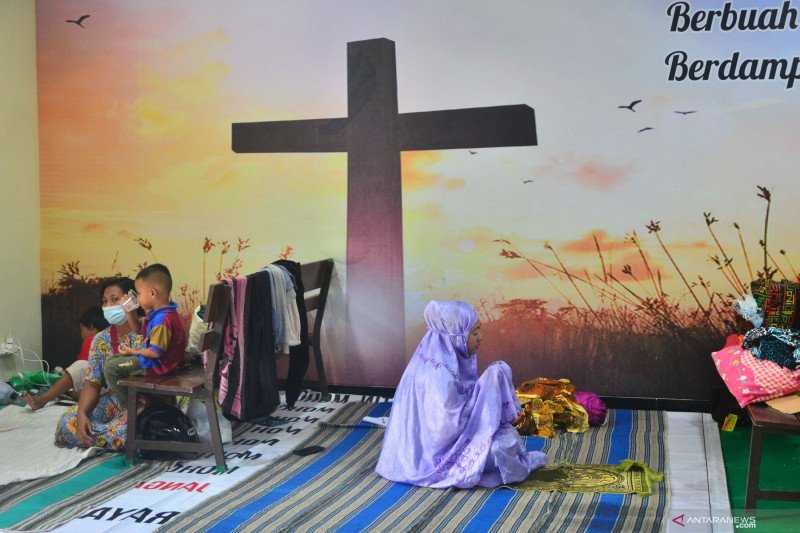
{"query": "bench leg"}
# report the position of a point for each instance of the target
(216, 437)
(323, 380)
(756, 438)
(130, 441)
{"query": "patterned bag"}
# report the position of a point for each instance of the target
(777, 301)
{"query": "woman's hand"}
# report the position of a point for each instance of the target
(84, 429)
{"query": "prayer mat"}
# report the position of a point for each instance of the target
(629, 477)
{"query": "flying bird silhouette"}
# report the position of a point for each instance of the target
(630, 106)
(80, 20)
(471, 152)
(648, 128)
(686, 112)
(527, 181)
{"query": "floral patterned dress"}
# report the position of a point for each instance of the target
(109, 419)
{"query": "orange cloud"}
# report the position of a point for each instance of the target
(519, 271)
(454, 184)
(415, 173)
(592, 173)
(92, 227)
(426, 213)
(696, 245)
(599, 176)
(638, 268)
(586, 243)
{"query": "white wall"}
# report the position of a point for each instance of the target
(20, 311)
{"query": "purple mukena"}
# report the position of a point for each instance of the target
(449, 428)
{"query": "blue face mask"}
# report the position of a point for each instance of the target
(115, 314)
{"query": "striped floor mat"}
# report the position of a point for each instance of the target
(338, 490)
(42, 504)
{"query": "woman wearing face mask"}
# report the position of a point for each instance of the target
(449, 428)
(100, 419)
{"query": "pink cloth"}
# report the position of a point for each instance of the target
(750, 379)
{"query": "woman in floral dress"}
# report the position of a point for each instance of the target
(100, 419)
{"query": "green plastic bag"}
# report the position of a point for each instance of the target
(28, 381)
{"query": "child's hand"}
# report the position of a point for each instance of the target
(125, 349)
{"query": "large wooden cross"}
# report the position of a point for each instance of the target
(373, 135)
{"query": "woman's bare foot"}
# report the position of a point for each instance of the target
(34, 402)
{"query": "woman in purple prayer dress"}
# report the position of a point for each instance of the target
(449, 428)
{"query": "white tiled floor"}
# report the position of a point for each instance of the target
(696, 475)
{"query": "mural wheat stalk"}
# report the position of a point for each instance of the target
(744, 251)
(710, 220)
(776, 265)
(514, 254)
(721, 267)
(147, 245)
(634, 238)
(600, 255)
(765, 193)
(655, 227)
(571, 279)
(208, 244)
(224, 247)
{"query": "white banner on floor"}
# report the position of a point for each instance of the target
(186, 484)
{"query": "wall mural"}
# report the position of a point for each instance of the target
(602, 239)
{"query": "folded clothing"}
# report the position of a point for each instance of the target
(781, 346)
(750, 379)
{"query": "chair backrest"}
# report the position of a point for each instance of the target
(317, 277)
(316, 282)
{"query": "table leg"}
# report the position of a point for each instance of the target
(753, 468)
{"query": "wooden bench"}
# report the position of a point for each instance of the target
(765, 419)
(197, 382)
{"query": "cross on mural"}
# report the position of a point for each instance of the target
(373, 135)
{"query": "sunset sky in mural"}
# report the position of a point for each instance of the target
(135, 113)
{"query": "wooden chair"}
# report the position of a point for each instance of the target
(198, 382)
(195, 382)
(765, 419)
(317, 277)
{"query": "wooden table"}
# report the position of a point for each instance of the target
(767, 420)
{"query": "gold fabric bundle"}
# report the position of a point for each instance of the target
(548, 404)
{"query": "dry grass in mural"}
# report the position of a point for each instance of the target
(611, 314)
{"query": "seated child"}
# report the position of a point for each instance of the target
(165, 336)
(91, 322)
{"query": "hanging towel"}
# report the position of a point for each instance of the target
(298, 363)
(291, 322)
(285, 318)
(277, 294)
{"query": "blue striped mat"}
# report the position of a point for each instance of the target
(338, 490)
